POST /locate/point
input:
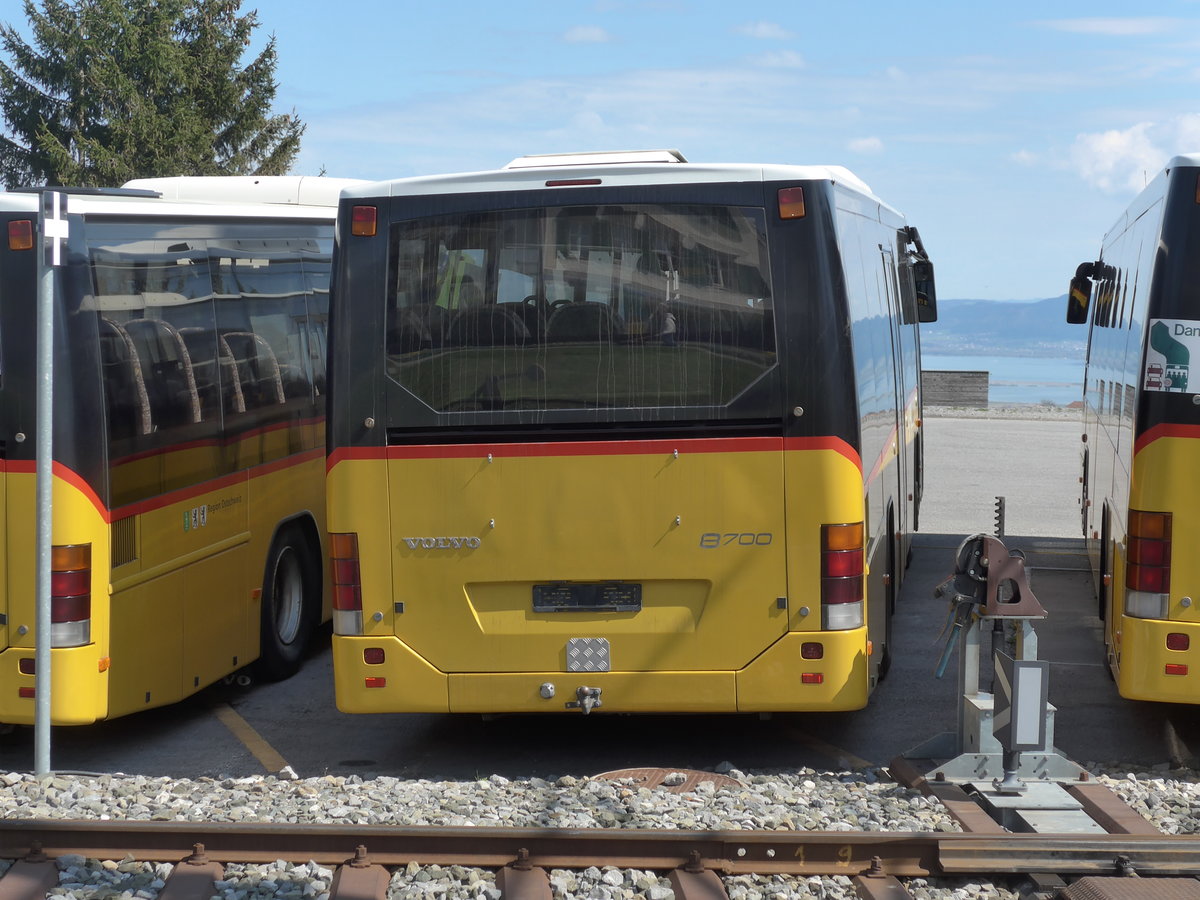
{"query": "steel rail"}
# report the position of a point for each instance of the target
(901, 854)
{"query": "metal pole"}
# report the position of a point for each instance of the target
(53, 228)
(45, 475)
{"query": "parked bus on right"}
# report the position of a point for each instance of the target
(1141, 439)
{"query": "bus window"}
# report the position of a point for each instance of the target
(154, 299)
(646, 306)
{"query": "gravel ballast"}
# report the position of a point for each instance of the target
(804, 799)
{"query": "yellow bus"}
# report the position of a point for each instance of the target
(188, 435)
(621, 432)
(1141, 435)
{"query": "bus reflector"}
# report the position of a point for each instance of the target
(25, 692)
(791, 203)
(375, 681)
(20, 234)
(70, 595)
(812, 678)
(1175, 669)
(373, 656)
(842, 576)
(347, 583)
(1178, 641)
(364, 221)
(1148, 573)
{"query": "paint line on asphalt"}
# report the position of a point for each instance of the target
(267, 755)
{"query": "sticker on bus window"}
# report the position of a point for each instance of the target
(1169, 353)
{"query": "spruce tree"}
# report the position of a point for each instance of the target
(110, 90)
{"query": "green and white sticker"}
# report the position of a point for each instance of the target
(1173, 343)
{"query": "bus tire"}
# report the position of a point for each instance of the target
(291, 593)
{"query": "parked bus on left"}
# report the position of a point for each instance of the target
(188, 440)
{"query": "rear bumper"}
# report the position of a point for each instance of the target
(1144, 658)
(78, 689)
(770, 683)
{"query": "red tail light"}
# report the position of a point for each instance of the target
(364, 221)
(841, 563)
(1149, 556)
(70, 595)
(20, 234)
(347, 583)
(347, 580)
(791, 203)
(842, 576)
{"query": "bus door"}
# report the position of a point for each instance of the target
(896, 513)
(903, 386)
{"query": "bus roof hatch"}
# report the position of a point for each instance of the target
(601, 157)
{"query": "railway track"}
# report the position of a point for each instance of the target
(363, 857)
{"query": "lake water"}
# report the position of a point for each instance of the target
(1019, 379)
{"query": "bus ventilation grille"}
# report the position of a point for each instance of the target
(124, 541)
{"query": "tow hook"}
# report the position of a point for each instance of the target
(587, 699)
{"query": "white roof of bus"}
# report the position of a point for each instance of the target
(304, 190)
(287, 196)
(619, 168)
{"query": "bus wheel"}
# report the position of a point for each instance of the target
(290, 595)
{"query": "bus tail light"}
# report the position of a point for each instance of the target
(20, 234)
(364, 221)
(791, 203)
(842, 576)
(347, 583)
(70, 595)
(1148, 569)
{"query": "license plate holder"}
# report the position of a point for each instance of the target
(572, 596)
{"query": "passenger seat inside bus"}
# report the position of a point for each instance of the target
(257, 368)
(583, 322)
(201, 347)
(486, 326)
(408, 332)
(124, 388)
(166, 371)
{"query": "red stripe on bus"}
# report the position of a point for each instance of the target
(1165, 431)
(228, 441)
(216, 484)
(594, 448)
(28, 467)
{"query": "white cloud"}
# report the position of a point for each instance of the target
(781, 59)
(1116, 27)
(587, 34)
(1024, 158)
(1116, 160)
(865, 145)
(765, 31)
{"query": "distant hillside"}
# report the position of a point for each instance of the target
(1016, 328)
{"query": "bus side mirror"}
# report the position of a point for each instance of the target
(1079, 296)
(926, 291)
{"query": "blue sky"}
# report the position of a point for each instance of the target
(1012, 134)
